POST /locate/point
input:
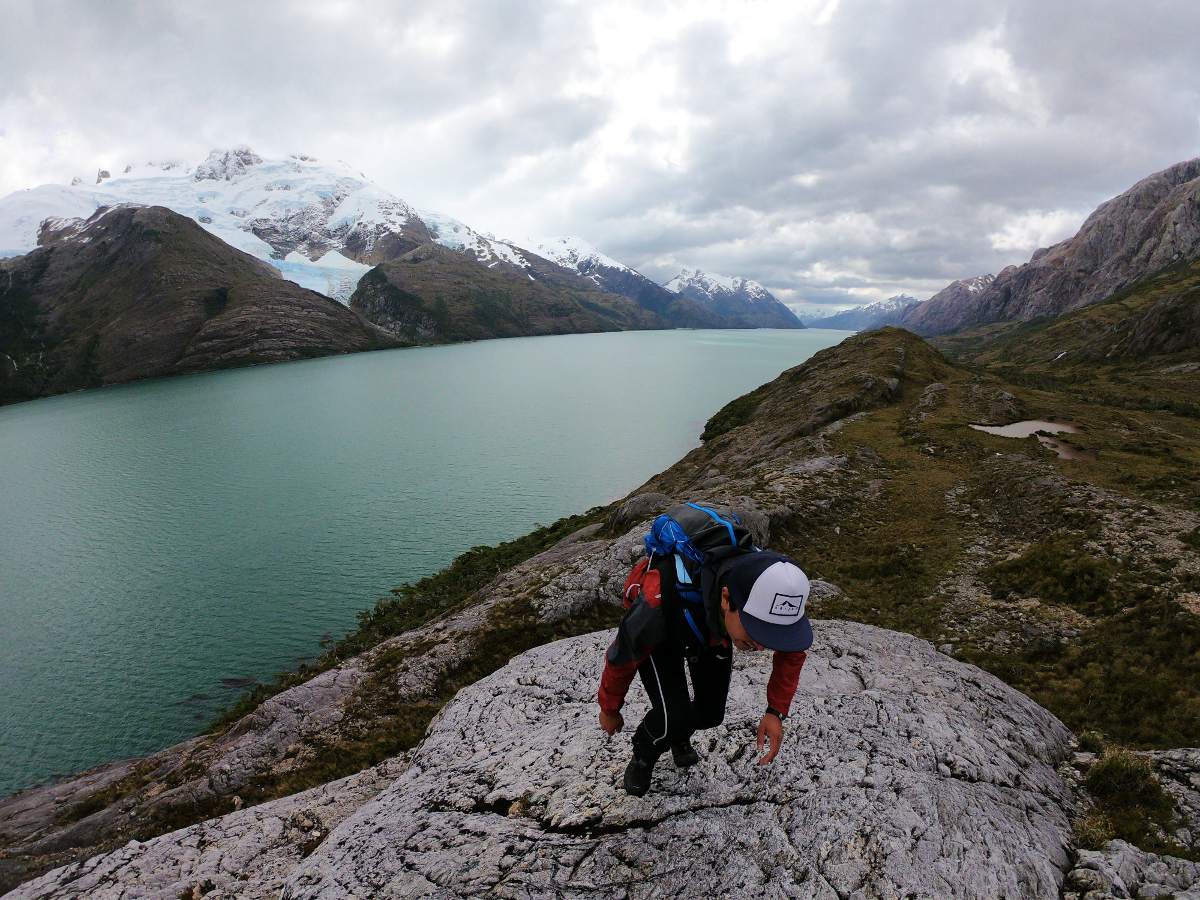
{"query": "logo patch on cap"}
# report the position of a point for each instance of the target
(787, 605)
(778, 594)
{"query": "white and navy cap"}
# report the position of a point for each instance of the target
(770, 593)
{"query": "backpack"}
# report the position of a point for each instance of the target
(697, 538)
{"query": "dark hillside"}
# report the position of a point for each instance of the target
(137, 292)
(433, 294)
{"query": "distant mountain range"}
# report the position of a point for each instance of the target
(97, 299)
(322, 226)
(607, 274)
(864, 318)
(738, 299)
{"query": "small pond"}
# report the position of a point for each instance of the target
(1042, 429)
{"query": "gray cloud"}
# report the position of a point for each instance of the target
(838, 152)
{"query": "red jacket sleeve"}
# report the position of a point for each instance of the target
(785, 675)
(614, 683)
(642, 628)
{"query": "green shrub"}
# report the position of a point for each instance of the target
(1091, 741)
(732, 415)
(1059, 570)
(1130, 804)
(1123, 780)
(1093, 831)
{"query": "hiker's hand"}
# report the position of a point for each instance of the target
(769, 729)
(611, 722)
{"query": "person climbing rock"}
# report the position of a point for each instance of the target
(702, 590)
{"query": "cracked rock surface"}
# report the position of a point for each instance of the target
(246, 854)
(903, 773)
(1121, 871)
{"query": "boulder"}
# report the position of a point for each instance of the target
(903, 773)
(1121, 871)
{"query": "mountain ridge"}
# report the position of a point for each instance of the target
(1149, 227)
(433, 294)
(290, 212)
(608, 274)
(867, 316)
(738, 298)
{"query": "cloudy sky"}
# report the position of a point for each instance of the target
(836, 151)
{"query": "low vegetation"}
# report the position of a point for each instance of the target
(1130, 804)
(1058, 570)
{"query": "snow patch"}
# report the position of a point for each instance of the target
(575, 254)
(711, 285)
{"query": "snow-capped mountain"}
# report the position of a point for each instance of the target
(141, 291)
(739, 299)
(712, 286)
(322, 224)
(871, 315)
(577, 255)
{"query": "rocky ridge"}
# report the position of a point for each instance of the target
(902, 773)
(1150, 227)
(245, 854)
(906, 772)
(942, 311)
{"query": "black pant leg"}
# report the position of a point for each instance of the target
(711, 671)
(669, 720)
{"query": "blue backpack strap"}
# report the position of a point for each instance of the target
(681, 572)
(716, 517)
(685, 584)
(687, 614)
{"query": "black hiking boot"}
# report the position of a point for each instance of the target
(684, 755)
(637, 776)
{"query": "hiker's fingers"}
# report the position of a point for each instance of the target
(769, 729)
(611, 723)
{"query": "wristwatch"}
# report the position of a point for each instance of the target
(776, 713)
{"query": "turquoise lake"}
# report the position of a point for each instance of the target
(164, 544)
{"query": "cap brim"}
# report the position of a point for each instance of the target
(789, 638)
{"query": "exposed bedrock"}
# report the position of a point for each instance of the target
(903, 773)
